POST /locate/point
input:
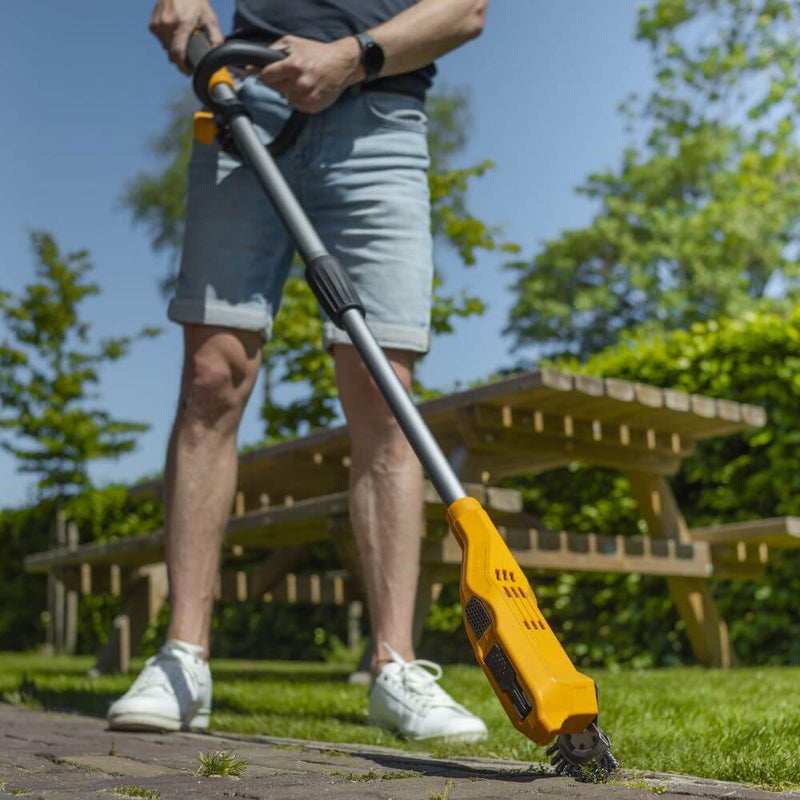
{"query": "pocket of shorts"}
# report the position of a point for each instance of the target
(399, 111)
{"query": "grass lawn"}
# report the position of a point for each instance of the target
(742, 725)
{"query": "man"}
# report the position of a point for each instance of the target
(360, 68)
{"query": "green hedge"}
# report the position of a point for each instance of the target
(100, 514)
(755, 359)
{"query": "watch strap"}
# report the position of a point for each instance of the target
(372, 57)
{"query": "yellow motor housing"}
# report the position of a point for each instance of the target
(540, 689)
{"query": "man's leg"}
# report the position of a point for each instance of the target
(386, 513)
(385, 501)
(219, 371)
(220, 368)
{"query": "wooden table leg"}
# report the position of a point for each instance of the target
(707, 631)
(143, 600)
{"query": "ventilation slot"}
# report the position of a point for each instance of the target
(477, 617)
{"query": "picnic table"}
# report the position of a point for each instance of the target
(294, 493)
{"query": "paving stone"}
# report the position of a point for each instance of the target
(116, 765)
(72, 757)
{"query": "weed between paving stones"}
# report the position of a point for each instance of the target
(4, 788)
(365, 777)
(334, 753)
(640, 784)
(221, 763)
(137, 791)
(444, 794)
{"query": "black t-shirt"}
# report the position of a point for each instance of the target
(326, 21)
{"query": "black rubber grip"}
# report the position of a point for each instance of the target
(332, 288)
(506, 678)
(197, 48)
(230, 54)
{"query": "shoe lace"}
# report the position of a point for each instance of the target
(156, 673)
(152, 675)
(420, 679)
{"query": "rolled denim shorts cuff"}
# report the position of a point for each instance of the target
(388, 335)
(220, 314)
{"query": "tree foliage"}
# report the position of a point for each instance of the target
(699, 220)
(158, 200)
(49, 366)
(295, 355)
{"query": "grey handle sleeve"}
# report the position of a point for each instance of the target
(197, 48)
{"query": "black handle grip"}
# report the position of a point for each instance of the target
(198, 46)
(230, 54)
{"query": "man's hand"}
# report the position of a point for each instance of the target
(174, 21)
(314, 74)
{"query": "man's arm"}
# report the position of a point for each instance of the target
(426, 31)
(314, 74)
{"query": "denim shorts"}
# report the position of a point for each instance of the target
(359, 169)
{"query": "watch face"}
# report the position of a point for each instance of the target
(373, 57)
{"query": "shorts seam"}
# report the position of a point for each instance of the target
(387, 334)
(209, 312)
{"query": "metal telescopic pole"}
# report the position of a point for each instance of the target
(433, 460)
(309, 245)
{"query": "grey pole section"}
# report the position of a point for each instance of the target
(310, 247)
(282, 197)
(433, 460)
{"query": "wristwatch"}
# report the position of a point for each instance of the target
(372, 55)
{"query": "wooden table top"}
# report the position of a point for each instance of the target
(534, 421)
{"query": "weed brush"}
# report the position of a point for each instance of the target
(539, 688)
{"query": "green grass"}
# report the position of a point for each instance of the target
(137, 791)
(5, 790)
(369, 775)
(742, 725)
(640, 784)
(222, 763)
(444, 794)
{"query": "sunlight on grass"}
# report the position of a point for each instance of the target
(739, 725)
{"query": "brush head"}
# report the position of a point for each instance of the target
(584, 756)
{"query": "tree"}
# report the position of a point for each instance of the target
(295, 355)
(700, 218)
(48, 367)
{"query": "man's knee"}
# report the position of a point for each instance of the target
(219, 371)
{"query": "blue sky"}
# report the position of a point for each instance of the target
(86, 89)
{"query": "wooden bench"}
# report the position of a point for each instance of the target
(533, 422)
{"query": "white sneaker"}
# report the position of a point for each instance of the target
(172, 693)
(405, 698)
